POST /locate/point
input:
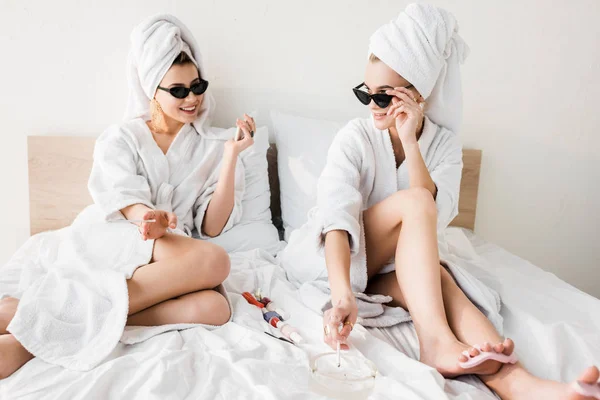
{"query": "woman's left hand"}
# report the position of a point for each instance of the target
(408, 114)
(248, 128)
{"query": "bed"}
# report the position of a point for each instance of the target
(554, 325)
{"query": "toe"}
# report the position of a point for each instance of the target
(499, 348)
(590, 375)
(487, 347)
(509, 347)
(473, 352)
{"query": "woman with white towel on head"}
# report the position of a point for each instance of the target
(156, 177)
(390, 184)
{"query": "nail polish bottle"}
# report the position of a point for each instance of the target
(286, 330)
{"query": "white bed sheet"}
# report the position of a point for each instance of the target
(240, 361)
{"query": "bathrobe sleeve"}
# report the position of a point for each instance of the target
(446, 175)
(339, 200)
(114, 182)
(205, 197)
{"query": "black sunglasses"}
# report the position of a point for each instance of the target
(181, 92)
(382, 100)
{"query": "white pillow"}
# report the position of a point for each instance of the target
(302, 145)
(459, 244)
(255, 229)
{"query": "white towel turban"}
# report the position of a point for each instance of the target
(155, 43)
(423, 46)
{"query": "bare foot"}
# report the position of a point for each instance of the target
(444, 358)
(8, 308)
(590, 377)
(12, 355)
(536, 388)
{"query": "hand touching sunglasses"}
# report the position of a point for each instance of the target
(382, 100)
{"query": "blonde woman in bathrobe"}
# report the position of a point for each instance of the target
(156, 177)
(391, 182)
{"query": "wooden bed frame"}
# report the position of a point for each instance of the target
(59, 167)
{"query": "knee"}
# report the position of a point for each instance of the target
(212, 262)
(221, 311)
(209, 308)
(220, 264)
(419, 201)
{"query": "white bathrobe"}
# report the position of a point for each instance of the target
(73, 293)
(130, 168)
(359, 173)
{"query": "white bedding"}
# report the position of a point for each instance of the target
(240, 361)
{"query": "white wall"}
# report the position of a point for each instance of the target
(531, 96)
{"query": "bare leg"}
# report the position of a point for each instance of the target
(180, 266)
(471, 316)
(8, 308)
(465, 320)
(514, 382)
(404, 225)
(469, 325)
(206, 306)
(12, 355)
(407, 220)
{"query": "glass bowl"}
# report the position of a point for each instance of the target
(354, 375)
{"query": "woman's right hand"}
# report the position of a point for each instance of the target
(163, 220)
(339, 320)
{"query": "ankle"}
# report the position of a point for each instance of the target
(512, 381)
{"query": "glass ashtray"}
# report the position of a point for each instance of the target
(353, 375)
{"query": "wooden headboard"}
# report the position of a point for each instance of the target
(59, 167)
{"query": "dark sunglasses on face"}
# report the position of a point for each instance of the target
(382, 100)
(181, 92)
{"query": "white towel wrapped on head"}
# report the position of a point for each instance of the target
(423, 46)
(155, 44)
